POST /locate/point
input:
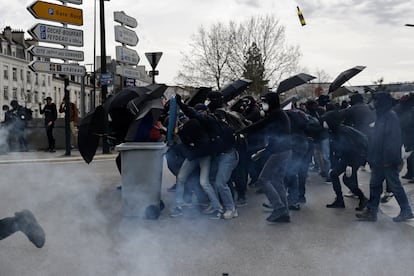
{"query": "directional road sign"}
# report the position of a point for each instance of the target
(57, 13)
(126, 55)
(57, 68)
(48, 52)
(58, 35)
(121, 17)
(125, 36)
(127, 71)
(76, 2)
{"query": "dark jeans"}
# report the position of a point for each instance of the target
(7, 227)
(378, 175)
(351, 182)
(272, 176)
(292, 173)
(304, 168)
(50, 138)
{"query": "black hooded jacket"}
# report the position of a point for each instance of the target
(346, 143)
(385, 146)
(275, 126)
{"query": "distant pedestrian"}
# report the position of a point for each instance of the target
(18, 121)
(73, 120)
(50, 112)
(384, 157)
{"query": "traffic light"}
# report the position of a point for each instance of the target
(301, 18)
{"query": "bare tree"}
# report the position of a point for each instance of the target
(219, 55)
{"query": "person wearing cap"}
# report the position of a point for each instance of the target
(384, 157)
(50, 112)
(275, 127)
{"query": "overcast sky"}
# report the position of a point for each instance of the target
(339, 34)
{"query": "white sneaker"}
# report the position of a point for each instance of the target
(229, 214)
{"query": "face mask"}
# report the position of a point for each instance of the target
(265, 106)
(325, 125)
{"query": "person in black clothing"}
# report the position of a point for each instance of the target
(25, 222)
(348, 152)
(18, 122)
(276, 128)
(50, 112)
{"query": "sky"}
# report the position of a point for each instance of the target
(339, 34)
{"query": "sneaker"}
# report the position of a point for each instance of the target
(27, 223)
(176, 212)
(407, 176)
(216, 214)
(350, 194)
(272, 219)
(294, 207)
(240, 202)
(403, 217)
(362, 204)
(386, 197)
(52, 150)
(367, 215)
(338, 203)
(208, 210)
(302, 199)
(173, 188)
(267, 207)
(229, 214)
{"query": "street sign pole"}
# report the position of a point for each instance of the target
(104, 87)
(153, 59)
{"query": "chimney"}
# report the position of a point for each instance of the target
(18, 36)
(8, 33)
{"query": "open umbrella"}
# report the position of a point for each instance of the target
(199, 96)
(91, 128)
(232, 90)
(344, 77)
(139, 128)
(293, 81)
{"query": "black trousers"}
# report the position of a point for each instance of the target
(351, 182)
(50, 138)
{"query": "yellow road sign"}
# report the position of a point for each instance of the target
(58, 13)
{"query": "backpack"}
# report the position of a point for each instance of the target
(195, 139)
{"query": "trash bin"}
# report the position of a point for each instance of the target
(141, 166)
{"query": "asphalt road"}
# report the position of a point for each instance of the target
(86, 234)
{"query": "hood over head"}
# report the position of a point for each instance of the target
(333, 119)
(272, 99)
(382, 102)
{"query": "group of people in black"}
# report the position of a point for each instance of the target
(220, 148)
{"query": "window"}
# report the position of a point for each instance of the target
(6, 93)
(15, 93)
(29, 96)
(28, 76)
(44, 80)
(21, 75)
(22, 95)
(14, 73)
(6, 72)
(37, 79)
(48, 80)
(36, 97)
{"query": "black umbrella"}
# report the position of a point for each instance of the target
(293, 81)
(344, 77)
(199, 96)
(234, 89)
(144, 120)
(91, 128)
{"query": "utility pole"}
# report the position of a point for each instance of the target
(104, 86)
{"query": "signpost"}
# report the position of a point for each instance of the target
(125, 36)
(126, 55)
(127, 71)
(153, 59)
(57, 13)
(49, 52)
(57, 68)
(58, 35)
(122, 18)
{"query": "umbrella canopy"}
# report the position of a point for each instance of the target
(341, 91)
(344, 77)
(141, 125)
(199, 96)
(91, 128)
(293, 81)
(234, 89)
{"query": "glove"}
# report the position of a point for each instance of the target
(348, 171)
(405, 152)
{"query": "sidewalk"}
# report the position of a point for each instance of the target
(58, 156)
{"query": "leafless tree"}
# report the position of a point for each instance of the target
(218, 55)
